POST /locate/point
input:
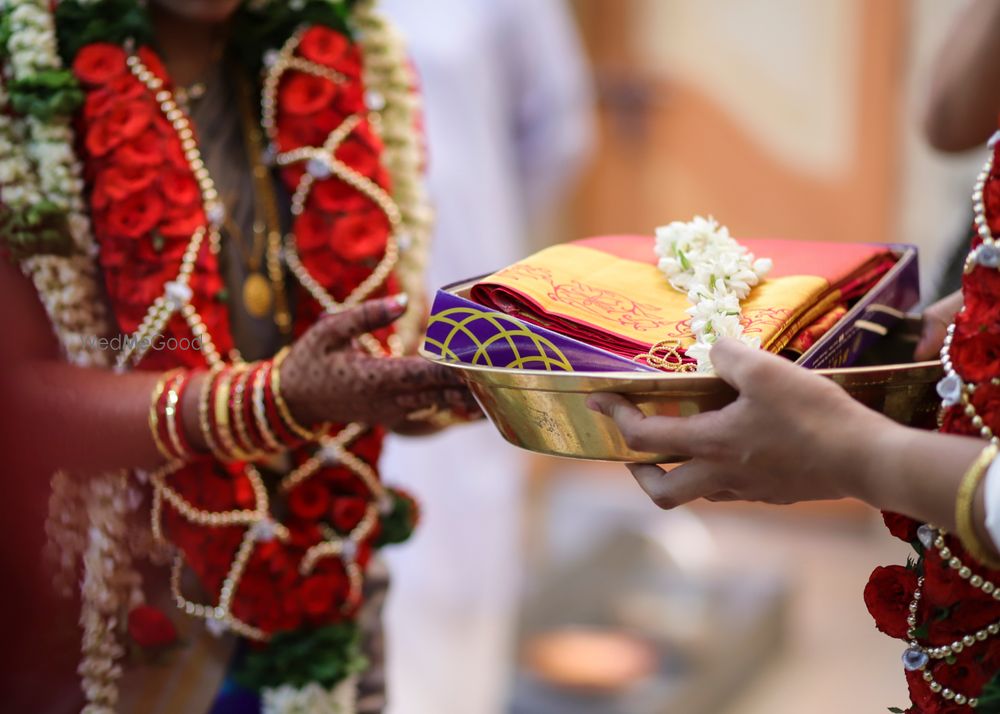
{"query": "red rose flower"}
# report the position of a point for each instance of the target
(366, 549)
(942, 586)
(149, 627)
(902, 527)
(303, 94)
(966, 675)
(117, 182)
(361, 152)
(295, 132)
(292, 174)
(347, 512)
(340, 277)
(987, 402)
(100, 102)
(182, 221)
(143, 281)
(887, 595)
(925, 701)
(981, 292)
(331, 49)
(977, 358)
(343, 482)
(123, 121)
(243, 493)
(180, 188)
(991, 198)
(313, 230)
(99, 63)
(136, 215)
(304, 535)
(350, 99)
(309, 500)
(146, 149)
(369, 446)
(360, 235)
(152, 62)
(956, 422)
(152, 249)
(322, 592)
(334, 196)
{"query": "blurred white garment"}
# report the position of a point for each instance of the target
(508, 115)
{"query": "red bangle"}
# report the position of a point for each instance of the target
(175, 424)
(235, 399)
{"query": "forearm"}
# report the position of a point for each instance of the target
(912, 472)
(964, 100)
(91, 419)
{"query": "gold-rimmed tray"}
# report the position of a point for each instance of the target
(546, 412)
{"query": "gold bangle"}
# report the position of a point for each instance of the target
(234, 452)
(171, 410)
(260, 413)
(283, 410)
(240, 384)
(965, 502)
(154, 420)
(204, 402)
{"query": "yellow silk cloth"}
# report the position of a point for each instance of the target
(609, 293)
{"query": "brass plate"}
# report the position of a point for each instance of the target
(546, 412)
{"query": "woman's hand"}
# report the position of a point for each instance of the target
(327, 378)
(790, 436)
(937, 317)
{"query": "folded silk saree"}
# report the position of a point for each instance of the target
(609, 293)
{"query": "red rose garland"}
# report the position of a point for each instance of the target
(956, 605)
(146, 205)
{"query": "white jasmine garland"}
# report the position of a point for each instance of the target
(387, 74)
(701, 259)
(311, 699)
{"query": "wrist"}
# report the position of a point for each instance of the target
(871, 450)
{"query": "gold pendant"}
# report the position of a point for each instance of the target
(258, 296)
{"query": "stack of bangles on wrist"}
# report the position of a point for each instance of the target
(965, 502)
(241, 413)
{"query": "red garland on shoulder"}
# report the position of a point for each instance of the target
(145, 205)
(953, 607)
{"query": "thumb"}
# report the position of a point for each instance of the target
(738, 364)
(338, 329)
(931, 339)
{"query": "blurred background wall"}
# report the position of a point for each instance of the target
(779, 117)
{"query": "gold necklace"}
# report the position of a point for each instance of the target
(262, 295)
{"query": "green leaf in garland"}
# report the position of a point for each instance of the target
(6, 30)
(79, 24)
(39, 230)
(270, 25)
(46, 95)
(398, 525)
(326, 655)
(896, 710)
(989, 699)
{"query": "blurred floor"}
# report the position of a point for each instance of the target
(834, 659)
